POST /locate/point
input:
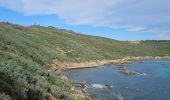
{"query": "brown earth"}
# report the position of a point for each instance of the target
(94, 63)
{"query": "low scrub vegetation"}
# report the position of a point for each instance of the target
(27, 52)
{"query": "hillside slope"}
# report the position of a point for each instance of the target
(27, 52)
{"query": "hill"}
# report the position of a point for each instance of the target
(27, 52)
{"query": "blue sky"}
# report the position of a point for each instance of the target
(116, 19)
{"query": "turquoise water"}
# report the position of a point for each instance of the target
(153, 85)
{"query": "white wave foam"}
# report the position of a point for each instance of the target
(143, 74)
(97, 86)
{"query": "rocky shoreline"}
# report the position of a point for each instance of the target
(78, 93)
(94, 63)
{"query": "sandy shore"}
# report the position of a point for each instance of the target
(94, 63)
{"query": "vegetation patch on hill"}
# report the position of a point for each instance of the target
(27, 52)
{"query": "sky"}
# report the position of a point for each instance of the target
(116, 19)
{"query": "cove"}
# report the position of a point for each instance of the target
(152, 85)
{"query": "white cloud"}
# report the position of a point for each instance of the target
(133, 15)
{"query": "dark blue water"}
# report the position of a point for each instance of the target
(153, 86)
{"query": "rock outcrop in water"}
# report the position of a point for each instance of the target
(128, 72)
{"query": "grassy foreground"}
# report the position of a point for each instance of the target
(26, 54)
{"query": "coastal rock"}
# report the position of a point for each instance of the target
(108, 86)
(128, 72)
(93, 63)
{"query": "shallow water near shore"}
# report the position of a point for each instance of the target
(152, 84)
